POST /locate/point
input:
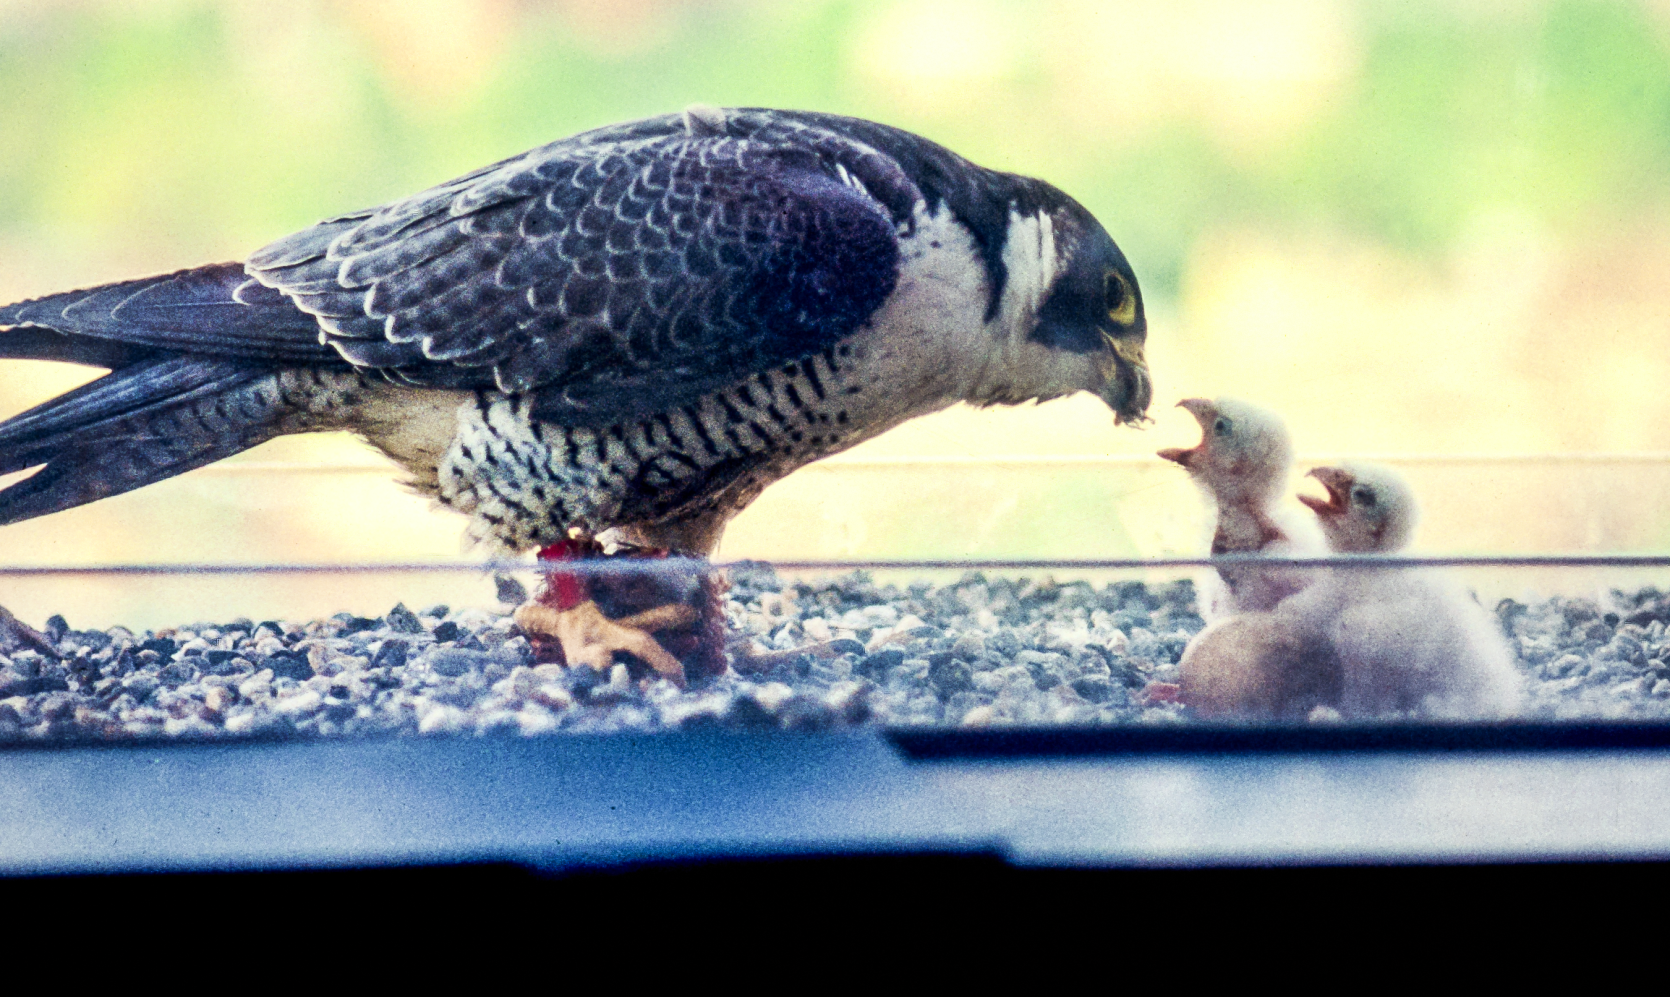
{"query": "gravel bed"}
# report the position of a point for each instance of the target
(982, 651)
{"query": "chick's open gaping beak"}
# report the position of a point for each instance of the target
(1204, 412)
(1338, 483)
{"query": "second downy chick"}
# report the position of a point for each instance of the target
(1369, 643)
(1406, 641)
(1242, 463)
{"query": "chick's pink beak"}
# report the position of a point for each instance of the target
(1204, 413)
(1338, 483)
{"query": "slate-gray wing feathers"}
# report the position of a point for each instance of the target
(611, 278)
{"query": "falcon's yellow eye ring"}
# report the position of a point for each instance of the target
(1121, 301)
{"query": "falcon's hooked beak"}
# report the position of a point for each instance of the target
(1338, 482)
(1128, 388)
(1204, 412)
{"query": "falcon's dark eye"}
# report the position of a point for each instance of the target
(1363, 497)
(1117, 297)
(1221, 427)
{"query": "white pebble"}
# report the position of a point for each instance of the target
(842, 694)
(677, 711)
(534, 719)
(441, 718)
(881, 637)
(881, 616)
(554, 696)
(473, 620)
(1321, 714)
(175, 726)
(772, 695)
(299, 702)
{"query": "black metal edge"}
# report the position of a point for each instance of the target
(1193, 739)
(816, 876)
(918, 744)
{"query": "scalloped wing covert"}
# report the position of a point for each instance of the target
(611, 277)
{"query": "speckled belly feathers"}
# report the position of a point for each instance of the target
(525, 483)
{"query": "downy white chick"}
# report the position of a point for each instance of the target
(1242, 464)
(1407, 641)
(1263, 665)
(1365, 642)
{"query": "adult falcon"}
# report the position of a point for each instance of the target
(636, 329)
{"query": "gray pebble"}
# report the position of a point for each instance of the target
(950, 675)
(1055, 653)
(392, 654)
(289, 664)
(876, 666)
(402, 620)
(509, 591)
(1095, 688)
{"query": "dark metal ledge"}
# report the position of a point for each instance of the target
(1199, 739)
(1139, 798)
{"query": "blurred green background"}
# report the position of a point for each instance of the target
(1413, 228)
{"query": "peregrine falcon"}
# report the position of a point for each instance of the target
(635, 329)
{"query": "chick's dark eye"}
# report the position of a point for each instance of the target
(1221, 427)
(1363, 497)
(1117, 297)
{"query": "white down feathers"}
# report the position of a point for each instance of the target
(1364, 643)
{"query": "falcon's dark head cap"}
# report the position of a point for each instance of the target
(1092, 305)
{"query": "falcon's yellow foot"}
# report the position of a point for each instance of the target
(589, 638)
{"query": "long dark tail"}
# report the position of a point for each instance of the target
(193, 356)
(136, 425)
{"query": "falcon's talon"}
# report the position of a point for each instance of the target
(587, 637)
(668, 617)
